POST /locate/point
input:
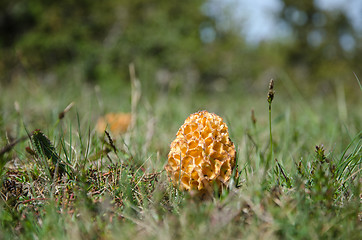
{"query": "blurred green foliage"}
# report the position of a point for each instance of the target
(325, 45)
(175, 45)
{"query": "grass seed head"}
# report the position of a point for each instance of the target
(271, 91)
(202, 155)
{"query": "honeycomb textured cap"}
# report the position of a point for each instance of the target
(203, 151)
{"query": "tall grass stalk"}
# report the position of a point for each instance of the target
(270, 100)
(270, 134)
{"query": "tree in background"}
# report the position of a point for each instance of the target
(42, 35)
(164, 38)
(324, 45)
(174, 44)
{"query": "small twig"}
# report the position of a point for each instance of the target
(30, 200)
(281, 170)
(62, 114)
(10, 146)
(111, 141)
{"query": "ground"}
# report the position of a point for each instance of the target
(62, 179)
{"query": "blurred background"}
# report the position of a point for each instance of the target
(159, 61)
(178, 47)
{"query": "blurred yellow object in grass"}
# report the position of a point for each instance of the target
(117, 123)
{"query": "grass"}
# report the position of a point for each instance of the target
(91, 186)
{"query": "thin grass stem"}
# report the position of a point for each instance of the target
(270, 100)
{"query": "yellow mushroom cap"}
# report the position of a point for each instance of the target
(204, 152)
